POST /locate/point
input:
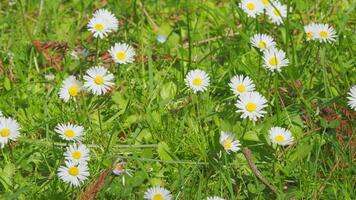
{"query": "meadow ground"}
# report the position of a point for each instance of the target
(167, 134)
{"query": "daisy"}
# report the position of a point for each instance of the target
(280, 136)
(157, 193)
(311, 31)
(70, 89)
(252, 7)
(69, 132)
(275, 59)
(197, 80)
(77, 153)
(102, 23)
(49, 77)
(240, 84)
(263, 41)
(120, 170)
(9, 130)
(277, 13)
(265, 3)
(227, 141)
(122, 53)
(73, 173)
(352, 97)
(78, 54)
(109, 18)
(98, 80)
(251, 105)
(325, 33)
(161, 39)
(214, 198)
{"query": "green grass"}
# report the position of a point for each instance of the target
(150, 103)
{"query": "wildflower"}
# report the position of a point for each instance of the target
(73, 173)
(70, 89)
(227, 141)
(9, 130)
(252, 7)
(311, 31)
(98, 80)
(277, 13)
(69, 132)
(280, 136)
(275, 59)
(122, 53)
(157, 193)
(197, 80)
(251, 105)
(325, 33)
(352, 98)
(77, 153)
(263, 41)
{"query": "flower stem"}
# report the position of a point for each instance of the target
(276, 96)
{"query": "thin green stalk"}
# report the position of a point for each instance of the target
(276, 97)
(245, 129)
(189, 39)
(96, 51)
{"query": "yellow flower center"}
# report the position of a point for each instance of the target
(69, 133)
(273, 61)
(76, 155)
(275, 12)
(158, 197)
(227, 144)
(250, 107)
(250, 6)
(262, 44)
(99, 27)
(324, 34)
(73, 90)
(279, 138)
(265, 2)
(99, 80)
(74, 171)
(241, 88)
(5, 132)
(118, 166)
(121, 55)
(309, 35)
(197, 81)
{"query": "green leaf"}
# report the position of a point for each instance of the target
(7, 84)
(168, 91)
(163, 151)
(251, 136)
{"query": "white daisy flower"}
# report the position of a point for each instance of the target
(215, 198)
(49, 77)
(265, 3)
(280, 136)
(161, 39)
(352, 98)
(275, 59)
(122, 53)
(73, 173)
(98, 80)
(197, 80)
(227, 141)
(121, 170)
(78, 54)
(70, 89)
(77, 153)
(157, 193)
(98, 27)
(9, 130)
(277, 13)
(69, 132)
(240, 84)
(263, 41)
(325, 33)
(252, 7)
(251, 105)
(109, 18)
(311, 31)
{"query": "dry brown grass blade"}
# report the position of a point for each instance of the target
(92, 190)
(248, 155)
(55, 58)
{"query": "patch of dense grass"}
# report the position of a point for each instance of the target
(150, 103)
